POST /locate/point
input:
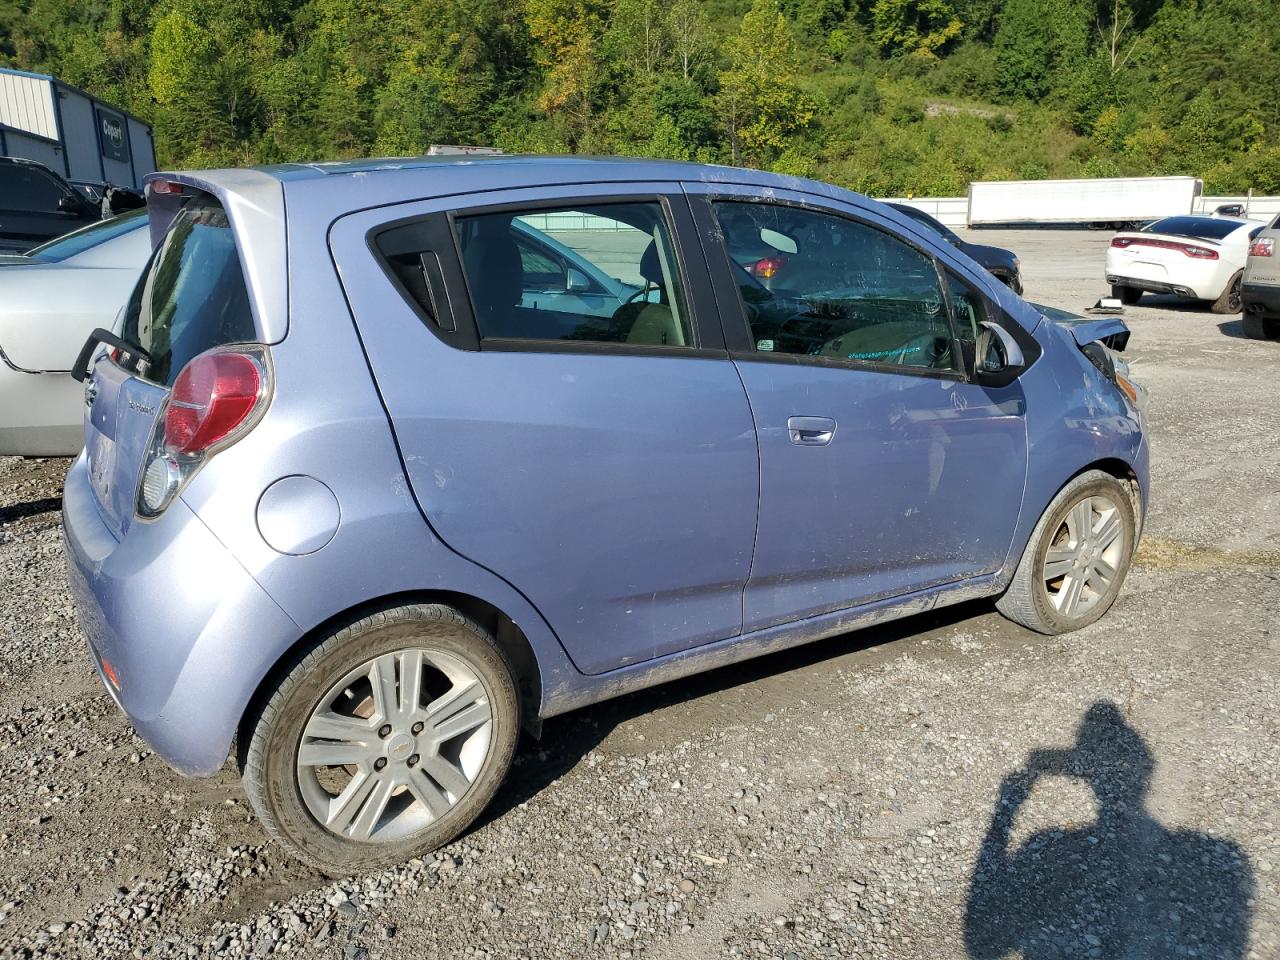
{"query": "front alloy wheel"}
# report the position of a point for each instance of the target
(1076, 558)
(1084, 557)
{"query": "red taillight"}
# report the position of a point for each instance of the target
(212, 396)
(165, 186)
(1262, 247)
(1197, 253)
(767, 268)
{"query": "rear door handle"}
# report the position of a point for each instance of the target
(811, 431)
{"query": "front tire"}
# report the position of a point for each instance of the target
(1077, 558)
(385, 741)
(1126, 295)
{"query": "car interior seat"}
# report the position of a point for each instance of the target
(646, 322)
(492, 261)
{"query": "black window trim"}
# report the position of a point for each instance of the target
(737, 328)
(704, 321)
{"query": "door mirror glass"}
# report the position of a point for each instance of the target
(576, 281)
(997, 351)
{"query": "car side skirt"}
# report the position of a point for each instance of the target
(585, 690)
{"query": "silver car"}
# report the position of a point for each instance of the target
(51, 299)
(1261, 290)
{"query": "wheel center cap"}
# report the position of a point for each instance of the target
(400, 746)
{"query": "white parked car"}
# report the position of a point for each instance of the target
(1200, 258)
(51, 298)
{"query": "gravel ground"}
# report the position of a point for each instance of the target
(947, 786)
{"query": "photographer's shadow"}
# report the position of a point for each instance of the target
(1121, 888)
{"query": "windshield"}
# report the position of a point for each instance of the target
(78, 241)
(1202, 228)
(192, 296)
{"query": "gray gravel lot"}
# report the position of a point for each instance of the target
(948, 786)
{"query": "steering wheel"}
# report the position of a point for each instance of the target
(935, 349)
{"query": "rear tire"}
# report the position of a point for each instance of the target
(1258, 327)
(1230, 301)
(1077, 558)
(1126, 295)
(334, 777)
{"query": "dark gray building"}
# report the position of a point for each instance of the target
(71, 132)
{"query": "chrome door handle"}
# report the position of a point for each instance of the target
(811, 431)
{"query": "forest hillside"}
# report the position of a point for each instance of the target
(890, 97)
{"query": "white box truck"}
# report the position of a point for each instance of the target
(1112, 201)
(72, 133)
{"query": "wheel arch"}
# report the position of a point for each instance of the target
(510, 638)
(1128, 473)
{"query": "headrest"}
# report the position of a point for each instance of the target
(494, 270)
(651, 266)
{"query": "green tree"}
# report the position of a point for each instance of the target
(760, 102)
(914, 26)
(1036, 45)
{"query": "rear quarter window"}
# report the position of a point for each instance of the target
(192, 296)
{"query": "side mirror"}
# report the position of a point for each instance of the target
(998, 358)
(575, 281)
(69, 204)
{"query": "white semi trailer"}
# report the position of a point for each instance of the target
(1113, 201)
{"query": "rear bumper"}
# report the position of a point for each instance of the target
(181, 623)
(1153, 286)
(1261, 298)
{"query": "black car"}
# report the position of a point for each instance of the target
(1001, 263)
(37, 205)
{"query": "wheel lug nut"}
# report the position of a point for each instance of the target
(384, 731)
(417, 728)
(379, 763)
(413, 760)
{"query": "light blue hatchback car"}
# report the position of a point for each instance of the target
(391, 458)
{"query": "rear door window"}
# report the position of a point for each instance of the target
(605, 273)
(192, 296)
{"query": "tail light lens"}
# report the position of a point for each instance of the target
(212, 396)
(1263, 247)
(216, 400)
(767, 268)
(1190, 249)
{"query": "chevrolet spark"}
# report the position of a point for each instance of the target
(388, 460)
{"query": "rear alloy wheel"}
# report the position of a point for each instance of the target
(1076, 559)
(386, 741)
(1231, 300)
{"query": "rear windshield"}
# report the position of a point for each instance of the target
(1203, 228)
(192, 296)
(86, 238)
